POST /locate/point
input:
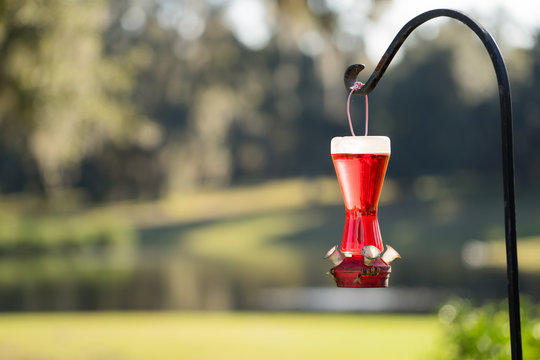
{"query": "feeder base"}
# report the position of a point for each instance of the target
(352, 272)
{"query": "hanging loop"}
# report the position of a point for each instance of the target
(357, 85)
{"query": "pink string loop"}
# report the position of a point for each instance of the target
(357, 85)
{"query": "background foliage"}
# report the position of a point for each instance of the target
(173, 155)
(482, 332)
(128, 99)
(157, 148)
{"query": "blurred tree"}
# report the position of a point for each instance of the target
(243, 89)
(526, 108)
(240, 90)
(60, 98)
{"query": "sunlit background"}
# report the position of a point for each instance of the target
(166, 187)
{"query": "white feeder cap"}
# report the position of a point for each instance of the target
(360, 145)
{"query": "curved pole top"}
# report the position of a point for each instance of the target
(352, 71)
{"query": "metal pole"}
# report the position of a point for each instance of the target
(507, 143)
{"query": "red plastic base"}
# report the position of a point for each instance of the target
(352, 272)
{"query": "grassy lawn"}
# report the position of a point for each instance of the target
(198, 336)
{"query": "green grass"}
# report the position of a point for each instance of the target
(199, 336)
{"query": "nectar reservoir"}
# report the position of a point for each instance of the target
(360, 163)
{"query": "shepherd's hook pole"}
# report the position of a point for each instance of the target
(507, 143)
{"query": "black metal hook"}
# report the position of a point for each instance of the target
(352, 71)
(507, 142)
